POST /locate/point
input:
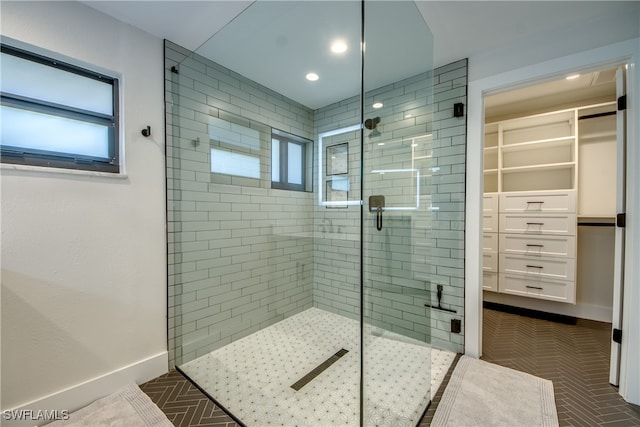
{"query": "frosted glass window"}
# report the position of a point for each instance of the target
(295, 163)
(56, 114)
(230, 163)
(28, 130)
(275, 160)
(38, 81)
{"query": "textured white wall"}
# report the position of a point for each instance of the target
(83, 256)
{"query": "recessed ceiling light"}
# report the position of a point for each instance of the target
(377, 105)
(312, 77)
(338, 46)
(573, 76)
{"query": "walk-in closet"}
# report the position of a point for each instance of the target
(552, 189)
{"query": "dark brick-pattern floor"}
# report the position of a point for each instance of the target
(574, 357)
(184, 404)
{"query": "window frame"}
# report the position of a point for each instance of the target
(63, 160)
(284, 140)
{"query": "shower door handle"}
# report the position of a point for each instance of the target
(376, 203)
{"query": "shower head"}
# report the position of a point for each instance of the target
(371, 124)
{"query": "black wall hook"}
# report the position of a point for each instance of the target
(146, 132)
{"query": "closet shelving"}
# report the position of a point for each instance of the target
(530, 163)
(491, 158)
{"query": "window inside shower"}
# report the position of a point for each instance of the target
(320, 306)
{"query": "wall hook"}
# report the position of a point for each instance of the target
(146, 132)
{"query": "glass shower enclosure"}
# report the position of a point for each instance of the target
(300, 197)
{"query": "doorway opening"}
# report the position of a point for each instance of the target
(554, 182)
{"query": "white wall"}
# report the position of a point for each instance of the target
(84, 255)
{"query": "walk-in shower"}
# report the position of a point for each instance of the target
(315, 268)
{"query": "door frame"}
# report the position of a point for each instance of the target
(627, 52)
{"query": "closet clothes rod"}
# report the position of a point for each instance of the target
(593, 116)
(596, 224)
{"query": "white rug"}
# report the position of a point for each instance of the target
(484, 394)
(127, 407)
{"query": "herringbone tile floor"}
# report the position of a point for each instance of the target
(184, 404)
(574, 357)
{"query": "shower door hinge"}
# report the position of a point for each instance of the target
(622, 103)
(617, 336)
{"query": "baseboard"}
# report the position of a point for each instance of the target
(80, 395)
(579, 310)
(537, 314)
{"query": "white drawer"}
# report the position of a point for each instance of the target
(542, 267)
(554, 290)
(522, 244)
(490, 202)
(564, 225)
(535, 201)
(490, 242)
(490, 223)
(489, 281)
(490, 261)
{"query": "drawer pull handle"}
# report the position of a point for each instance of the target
(533, 287)
(531, 245)
(534, 266)
(536, 223)
(536, 202)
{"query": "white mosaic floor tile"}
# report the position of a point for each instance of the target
(252, 377)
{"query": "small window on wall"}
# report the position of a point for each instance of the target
(57, 115)
(290, 162)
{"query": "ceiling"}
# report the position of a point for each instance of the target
(277, 43)
(584, 89)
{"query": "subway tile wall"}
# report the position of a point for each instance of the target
(243, 256)
(240, 254)
(416, 250)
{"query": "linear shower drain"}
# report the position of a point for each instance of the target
(318, 370)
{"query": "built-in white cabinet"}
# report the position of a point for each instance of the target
(490, 242)
(530, 206)
(537, 244)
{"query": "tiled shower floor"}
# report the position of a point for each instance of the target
(252, 377)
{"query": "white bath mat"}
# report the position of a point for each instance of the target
(127, 407)
(484, 394)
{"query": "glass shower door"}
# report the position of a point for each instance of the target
(397, 166)
(304, 298)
